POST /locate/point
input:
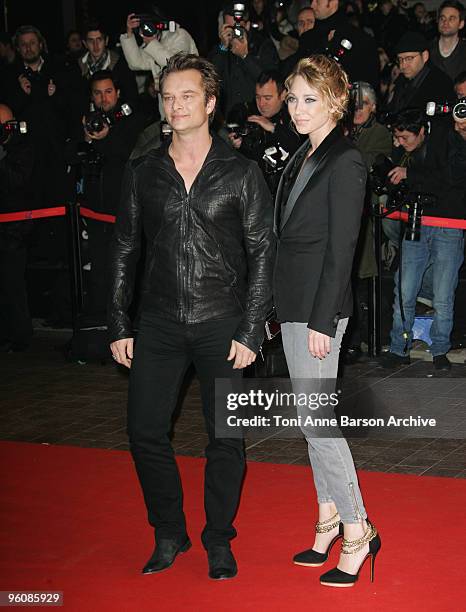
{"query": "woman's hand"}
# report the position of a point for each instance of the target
(318, 344)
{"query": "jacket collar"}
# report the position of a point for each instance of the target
(286, 197)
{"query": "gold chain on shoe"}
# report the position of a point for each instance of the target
(328, 525)
(350, 547)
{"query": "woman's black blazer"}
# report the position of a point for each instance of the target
(317, 219)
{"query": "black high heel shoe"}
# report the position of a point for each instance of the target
(336, 577)
(313, 558)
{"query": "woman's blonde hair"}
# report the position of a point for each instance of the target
(328, 78)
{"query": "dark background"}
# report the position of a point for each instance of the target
(55, 17)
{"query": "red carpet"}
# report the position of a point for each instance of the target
(72, 519)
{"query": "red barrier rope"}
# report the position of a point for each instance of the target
(431, 221)
(25, 215)
(57, 211)
(91, 214)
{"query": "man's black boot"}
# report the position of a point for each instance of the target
(441, 362)
(392, 360)
(164, 555)
(222, 564)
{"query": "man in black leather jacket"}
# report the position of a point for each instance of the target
(207, 218)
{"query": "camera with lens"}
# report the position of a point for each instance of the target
(245, 129)
(458, 110)
(97, 119)
(239, 10)
(149, 25)
(381, 184)
(338, 54)
(12, 127)
(275, 158)
(166, 131)
(399, 196)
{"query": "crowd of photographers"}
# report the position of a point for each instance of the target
(74, 119)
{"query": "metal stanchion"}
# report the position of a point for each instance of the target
(375, 291)
(75, 266)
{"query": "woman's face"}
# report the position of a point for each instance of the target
(361, 115)
(308, 109)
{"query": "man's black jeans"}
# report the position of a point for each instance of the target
(163, 351)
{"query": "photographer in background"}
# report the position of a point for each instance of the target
(35, 94)
(420, 81)
(361, 62)
(16, 165)
(448, 51)
(100, 57)
(431, 161)
(240, 57)
(268, 138)
(109, 150)
(156, 49)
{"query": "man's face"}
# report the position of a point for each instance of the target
(104, 95)
(30, 48)
(184, 103)
(74, 42)
(306, 20)
(412, 62)
(324, 8)
(268, 100)
(361, 115)
(96, 43)
(460, 89)
(408, 140)
(420, 11)
(386, 7)
(449, 22)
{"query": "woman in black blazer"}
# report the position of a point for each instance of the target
(317, 219)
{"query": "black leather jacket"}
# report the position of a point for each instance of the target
(210, 251)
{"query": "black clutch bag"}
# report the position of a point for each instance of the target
(272, 326)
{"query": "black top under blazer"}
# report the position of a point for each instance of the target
(317, 219)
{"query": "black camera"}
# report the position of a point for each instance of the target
(276, 158)
(97, 119)
(338, 54)
(458, 110)
(12, 127)
(149, 25)
(399, 196)
(238, 15)
(166, 130)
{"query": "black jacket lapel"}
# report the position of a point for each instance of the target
(310, 168)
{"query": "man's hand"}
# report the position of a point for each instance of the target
(25, 84)
(236, 141)
(239, 46)
(265, 123)
(225, 33)
(131, 23)
(51, 88)
(397, 175)
(460, 127)
(122, 351)
(241, 354)
(318, 344)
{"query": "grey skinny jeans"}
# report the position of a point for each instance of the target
(332, 464)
